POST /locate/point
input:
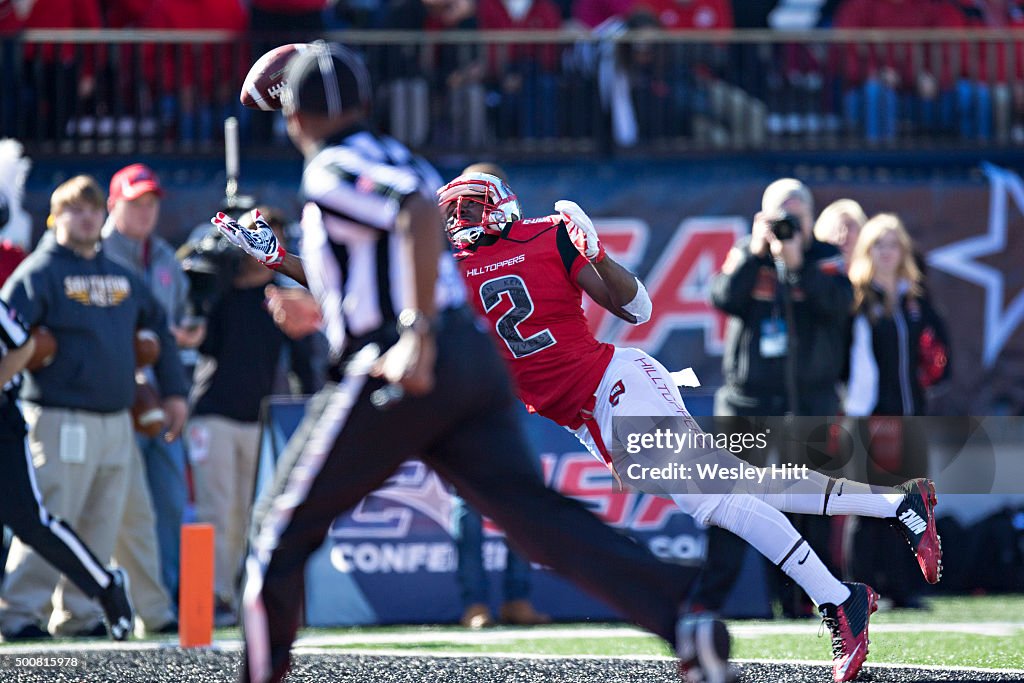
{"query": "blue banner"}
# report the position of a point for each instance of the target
(392, 559)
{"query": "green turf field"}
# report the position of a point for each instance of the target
(985, 632)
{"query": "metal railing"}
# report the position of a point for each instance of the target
(537, 93)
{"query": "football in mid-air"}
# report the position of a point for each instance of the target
(265, 81)
(46, 349)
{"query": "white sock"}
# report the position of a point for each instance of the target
(805, 496)
(854, 498)
(805, 567)
(772, 535)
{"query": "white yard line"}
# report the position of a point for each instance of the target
(464, 637)
(980, 629)
(440, 654)
(739, 630)
(644, 658)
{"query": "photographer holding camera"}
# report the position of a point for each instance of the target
(788, 301)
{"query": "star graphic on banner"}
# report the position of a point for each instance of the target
(420, 488)
(416, 488)
(962, 259)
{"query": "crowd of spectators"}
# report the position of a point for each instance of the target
(714, 92)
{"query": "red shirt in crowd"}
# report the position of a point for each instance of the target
(215, 60)
(683, 15)
(10, 20)
(542, 15)
(590, 13)
(125, 13)
(994, 14)
(289, 6)
(865, 59)
(63, 14)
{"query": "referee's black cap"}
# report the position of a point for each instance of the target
(328, 79)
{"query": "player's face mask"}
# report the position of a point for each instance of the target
(476, 204)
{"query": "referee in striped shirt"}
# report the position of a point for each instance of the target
(415, 377)
(22, 511)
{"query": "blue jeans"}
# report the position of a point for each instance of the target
(165, 473)
(974, 104)
(874, 109)
(532, 111)
(472, 575)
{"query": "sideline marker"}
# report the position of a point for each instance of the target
(195, 611)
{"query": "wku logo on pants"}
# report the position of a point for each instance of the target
(618, 389)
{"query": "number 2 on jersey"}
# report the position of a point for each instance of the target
(507, 325)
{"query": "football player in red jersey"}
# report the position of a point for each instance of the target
(527, 278)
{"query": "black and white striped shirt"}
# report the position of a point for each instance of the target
(13, 335)
(353, 190)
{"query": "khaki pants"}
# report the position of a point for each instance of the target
(224, 454)
(82, 467)
(136, 550)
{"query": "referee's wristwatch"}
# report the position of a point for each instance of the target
(415, 320)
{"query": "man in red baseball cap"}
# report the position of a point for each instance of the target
(131, 182)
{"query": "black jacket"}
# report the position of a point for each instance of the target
(754, 294)
(887, 372)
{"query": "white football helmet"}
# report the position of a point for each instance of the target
(500, 206)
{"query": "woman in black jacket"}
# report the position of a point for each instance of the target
(899, 349)
(899, 341)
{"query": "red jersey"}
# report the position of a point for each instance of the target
(525, 285)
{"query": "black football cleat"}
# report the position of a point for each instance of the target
(117, 606)
(915, 518)
(848, 624)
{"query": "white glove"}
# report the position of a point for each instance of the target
(259, 241)
(581, 230)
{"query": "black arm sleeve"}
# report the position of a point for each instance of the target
(566, 250)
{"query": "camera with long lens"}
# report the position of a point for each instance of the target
(785, 226)
(211, 263)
